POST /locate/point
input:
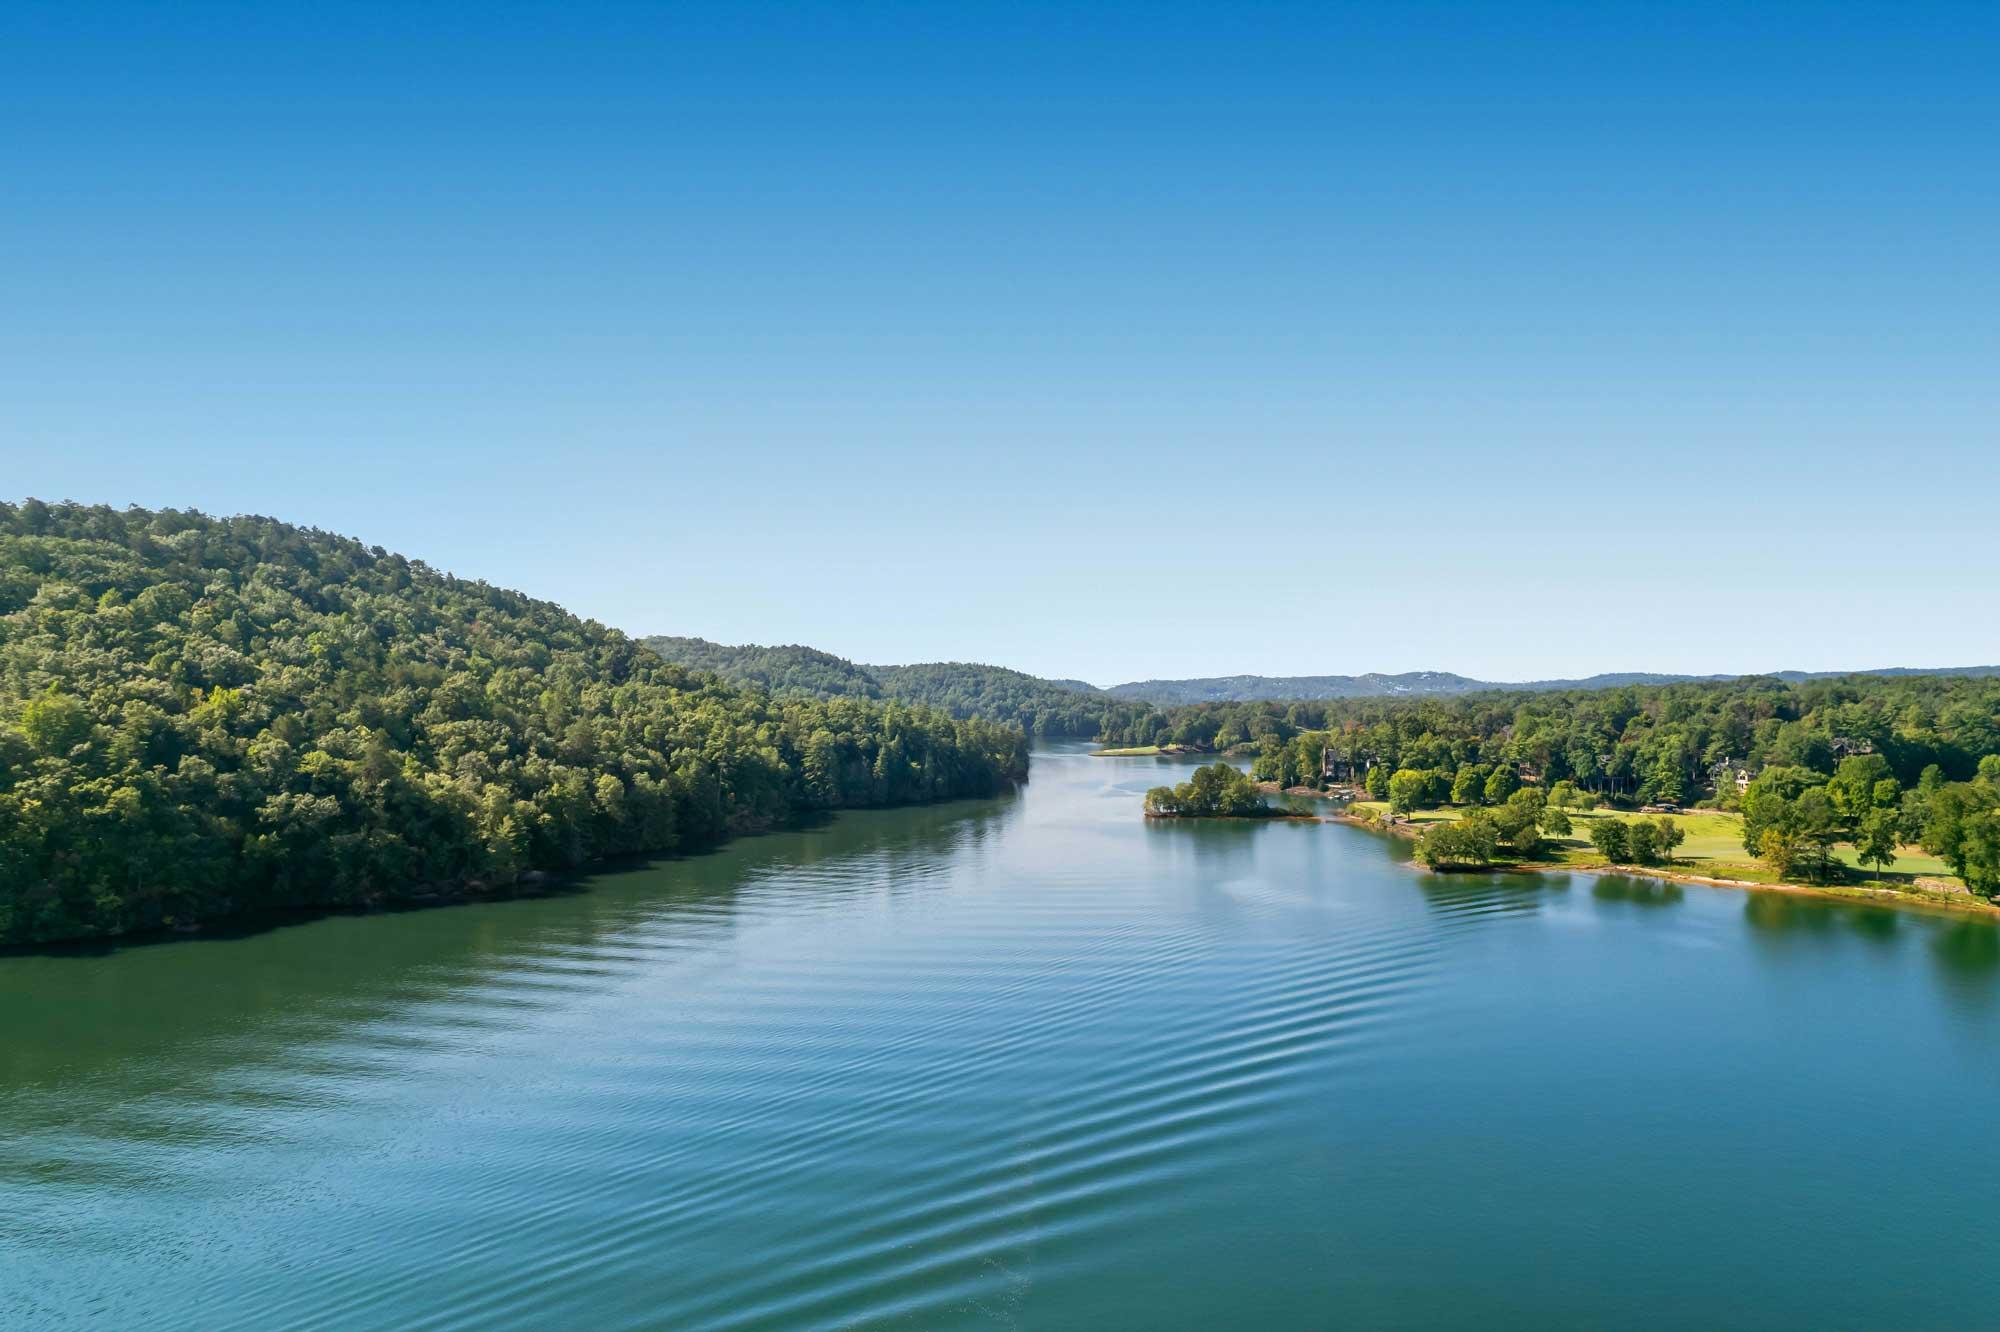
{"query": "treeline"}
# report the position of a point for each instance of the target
(202, 717)
(791, 669)
(1652, 744)
(1878, 761)
(1793, 817)
(964, 689)
(1038, 706)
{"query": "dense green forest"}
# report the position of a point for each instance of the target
(1872, 760)
(1055, 708)
(201, 717)
(792, 668)
(1039, 706)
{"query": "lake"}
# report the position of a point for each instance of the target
(1031, 1062)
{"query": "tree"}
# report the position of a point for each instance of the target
(1670, 834)
(1768, 801)
(1469, 841)
(1852, 788)
(1818, 828)
(1502, 782)
(1665, 783)
(1563, 795)
(1777, 848)
(1959, 829)
(1556, 822)
(1406, 790)
(55, 723)
(1607, 834)
(1642, 841)
(1911, 815)
(1876, 844)
(1518, 822)
(1378, 782)
(1469, 785)
(1978, 861)
(1795, 835)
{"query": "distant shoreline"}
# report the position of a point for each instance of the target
(1273, 815)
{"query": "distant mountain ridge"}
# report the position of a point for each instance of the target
(1069, 707)
(1375, 684)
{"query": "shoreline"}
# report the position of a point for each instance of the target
(527, 886)
(1275, 816)
(1954, 904)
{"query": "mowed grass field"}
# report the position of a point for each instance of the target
(1714, 846)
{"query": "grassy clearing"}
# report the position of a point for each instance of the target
(1442, 814)
(1910, 860)
(1714, 847)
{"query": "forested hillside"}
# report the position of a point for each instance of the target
(202, 717)
(790, 668)
(964, 689)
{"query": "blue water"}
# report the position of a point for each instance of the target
(1031, 1062)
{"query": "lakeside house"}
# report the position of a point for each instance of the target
(1729, 770)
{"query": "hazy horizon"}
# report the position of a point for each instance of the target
(1144, 677)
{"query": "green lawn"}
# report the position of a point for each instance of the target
(1443, 814)
(1714, 846)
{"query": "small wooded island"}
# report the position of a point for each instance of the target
(1216, 791)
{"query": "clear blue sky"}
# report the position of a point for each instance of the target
(1105, 340)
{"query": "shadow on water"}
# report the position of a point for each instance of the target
(1774, 915)
(1486, 892)
(248, 996)
(1968, 959)
(1966, 951)
(1970, 948)
(1637, 891)
(1219, 849)
(250, 924)
(790, 844)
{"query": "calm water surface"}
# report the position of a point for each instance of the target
(1022, 1063)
